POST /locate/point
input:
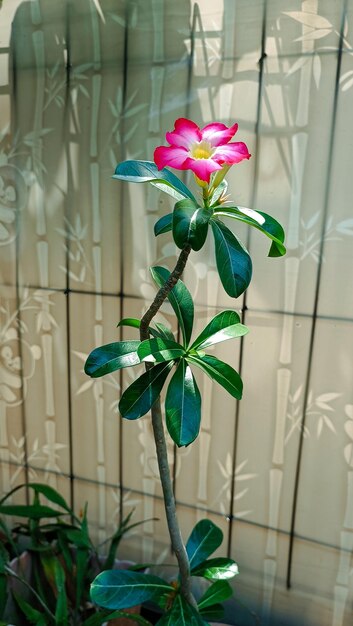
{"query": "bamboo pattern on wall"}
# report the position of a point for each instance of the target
(91, 83)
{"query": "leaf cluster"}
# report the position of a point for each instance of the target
(48, 560)
(163, 353)
(122, 589)
(191, 219)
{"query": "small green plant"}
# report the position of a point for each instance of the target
(48, 560)
(209, 154)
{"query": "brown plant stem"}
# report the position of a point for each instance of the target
(159, 437)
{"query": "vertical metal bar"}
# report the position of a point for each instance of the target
(122, 294)
(261, 63)
(187, 113)
(316, 300)
(67, 248)
(14, 125)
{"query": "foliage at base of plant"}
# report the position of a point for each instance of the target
(48, 560)
(122, 589)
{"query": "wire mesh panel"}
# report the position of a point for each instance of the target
(85, 84)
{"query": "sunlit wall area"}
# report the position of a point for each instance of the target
(85, 84)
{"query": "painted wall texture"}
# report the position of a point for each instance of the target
(87, 83)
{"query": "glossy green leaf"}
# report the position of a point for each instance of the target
(33, 511)
(159, 350)
(221, 372)
(233, 261)
(112, 357)
(205, 538)
(133, 322)
(220, 190)
(180, 299)
(181, 614)
(216, 593)
(262, 221)
(190, 224)
(148, 172)
(136, 323)
(143, 392)
(220, 568)
(214, 612)
(225, 325)
(183, 406)
(164, 331)
(164, 224)
(121, 589)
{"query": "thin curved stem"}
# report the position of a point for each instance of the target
(159, 437)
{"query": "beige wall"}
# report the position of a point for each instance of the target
(91, 83)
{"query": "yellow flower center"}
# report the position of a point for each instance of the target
(201, 150)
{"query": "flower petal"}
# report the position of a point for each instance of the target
(231, 153)
(218, 134)
(203, 168)
(185, 133)
(174, 157)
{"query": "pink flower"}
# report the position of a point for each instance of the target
(202, 150)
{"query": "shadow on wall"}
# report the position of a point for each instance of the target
(240, 612)
(89, 89)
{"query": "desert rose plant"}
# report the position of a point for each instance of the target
(209, 153)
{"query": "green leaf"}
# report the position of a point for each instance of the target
(190, 224)
(164, 224)
(225, 325)
(214, 612)
(64, 548)
(112, 357)
(82, 564)
(217, 592)
(165, 331)
(220, 190)
(5, 530)
(219, 568)
(61, 610)
(51, 494)
(101, 618)
(114, 541)
(130, 321)
(35, 511)
(262, 221)
(144, 391)
(148, 172)
(180, 299)
(33, 616)
(183, 406)
(121, 589)
(205, 538)
(78, 538)
(159, 350)
(135, 323)
(233, 261)
(221, 372)
(3, 579)
(181, 614)
(3, 593)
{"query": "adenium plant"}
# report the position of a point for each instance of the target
(209, 153)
